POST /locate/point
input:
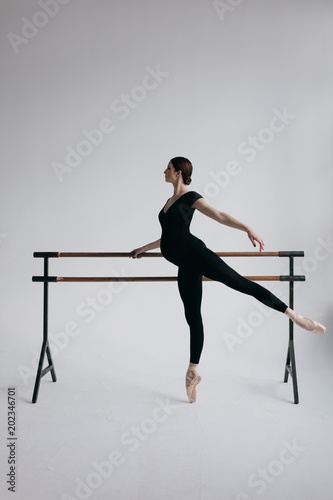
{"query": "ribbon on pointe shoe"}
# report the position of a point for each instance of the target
(192, 380)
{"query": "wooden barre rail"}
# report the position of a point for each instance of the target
(158, 254)
(290, 366)
(57, 279)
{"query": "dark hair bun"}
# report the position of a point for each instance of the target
(185, 166)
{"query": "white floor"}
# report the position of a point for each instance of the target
(117, 425)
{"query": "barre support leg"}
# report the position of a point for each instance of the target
(45, 346)
(290, 367)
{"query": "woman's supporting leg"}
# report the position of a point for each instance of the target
(190, 289)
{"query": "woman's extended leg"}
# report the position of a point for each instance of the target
(213, 267)
(210, 265)
(190, 289)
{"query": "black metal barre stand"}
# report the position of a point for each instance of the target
(290, 366)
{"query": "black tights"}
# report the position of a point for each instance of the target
(207, 263)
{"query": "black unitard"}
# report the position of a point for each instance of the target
(195, 260)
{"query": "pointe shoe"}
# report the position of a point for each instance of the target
(306, 323)
(192, 380)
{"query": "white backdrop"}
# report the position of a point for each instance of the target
(97, 96)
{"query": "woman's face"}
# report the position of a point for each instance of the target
(170, 173)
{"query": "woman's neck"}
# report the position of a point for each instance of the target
(179, 188)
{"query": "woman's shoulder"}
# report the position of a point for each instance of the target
(195, 195)
(191, 197)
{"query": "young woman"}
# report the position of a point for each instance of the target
(195, 260)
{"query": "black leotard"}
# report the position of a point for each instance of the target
(177, 243)
(195, 260)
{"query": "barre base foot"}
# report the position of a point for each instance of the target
(43, 371)
(290, 369)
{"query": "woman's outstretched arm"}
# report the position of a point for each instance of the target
(150, 246)
(227, 220)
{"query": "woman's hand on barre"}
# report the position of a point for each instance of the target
(136, 252)
(254, 237)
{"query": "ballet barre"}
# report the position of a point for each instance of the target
(290, 365)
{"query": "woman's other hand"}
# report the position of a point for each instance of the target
(254, 237)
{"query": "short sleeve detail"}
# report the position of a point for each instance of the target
(194, 197)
